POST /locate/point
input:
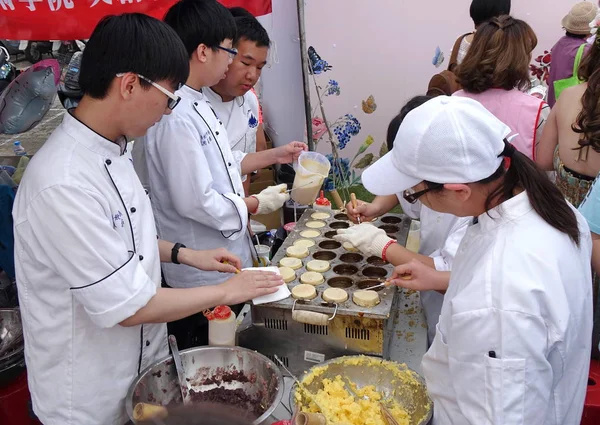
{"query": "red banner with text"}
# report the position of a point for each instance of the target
(76, 19)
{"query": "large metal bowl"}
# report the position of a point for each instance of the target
(11, 334)
(158, 384)
(411, 394)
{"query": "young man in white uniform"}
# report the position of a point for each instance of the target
(232, 98)
(513, 341)
(193, 176)
(439, 238)
(86, 252)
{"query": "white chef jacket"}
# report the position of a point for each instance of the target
(523, 290)
(86, 258)
(440, 237)
(195, 186)
(240, 117)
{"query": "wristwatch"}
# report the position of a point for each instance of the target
(175, 252)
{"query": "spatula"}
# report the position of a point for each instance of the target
(179, 368)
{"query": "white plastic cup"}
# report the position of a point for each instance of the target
(221, 332)
(263, 252)
(413, 241)
(311, 170)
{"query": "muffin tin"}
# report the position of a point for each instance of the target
(350, 271)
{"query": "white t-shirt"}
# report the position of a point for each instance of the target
(462, 50)
(240, 117)
(514, 338)
(86, 258)
(195, 186)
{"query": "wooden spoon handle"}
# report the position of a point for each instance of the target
(387, 415)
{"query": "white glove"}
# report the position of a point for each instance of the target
(271, 199)
(365, 237)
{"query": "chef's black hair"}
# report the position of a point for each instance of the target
(545, 198)
(201, 22)
(136, 43)
(394, 124)
(484, 10)
(248, 28)
(239, 12)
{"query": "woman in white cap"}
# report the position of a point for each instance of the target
(440, 234)
(513, 341)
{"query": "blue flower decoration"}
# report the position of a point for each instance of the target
(333, 88)
(340, 169)
(252, 122)
(344, 130)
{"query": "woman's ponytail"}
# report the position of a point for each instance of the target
(544, 196)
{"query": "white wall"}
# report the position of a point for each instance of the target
(282, 95)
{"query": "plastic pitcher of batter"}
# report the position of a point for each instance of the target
(311, 170)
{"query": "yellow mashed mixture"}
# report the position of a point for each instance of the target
(340, 407)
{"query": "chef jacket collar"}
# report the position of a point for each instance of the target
(92, 140)
(192, 93)
(509, 210)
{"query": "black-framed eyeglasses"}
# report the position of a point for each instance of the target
(232, 52)
(173, 98)
(411, 196)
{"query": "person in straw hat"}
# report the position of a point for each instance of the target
(564, 52)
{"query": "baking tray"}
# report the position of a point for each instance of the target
(350, 271)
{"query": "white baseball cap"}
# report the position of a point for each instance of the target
(445, 140)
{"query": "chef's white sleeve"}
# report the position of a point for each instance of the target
(499, 367)
(239, 156)
(443, 257)
(188, 178)
(70, 225)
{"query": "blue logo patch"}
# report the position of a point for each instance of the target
(205, 139)
(252, 121)
(118, 220)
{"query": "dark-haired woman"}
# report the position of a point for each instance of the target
(480, 12)
(495, 72)
(513, 340)
(570, 143)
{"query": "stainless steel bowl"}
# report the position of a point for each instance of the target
(158, 384)
(11, 334)
(411, 394)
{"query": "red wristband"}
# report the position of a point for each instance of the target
(385, 248)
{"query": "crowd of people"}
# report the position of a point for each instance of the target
(110, 255)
